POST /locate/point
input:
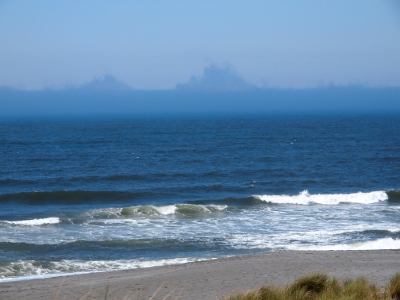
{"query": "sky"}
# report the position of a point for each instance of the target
(156, 45)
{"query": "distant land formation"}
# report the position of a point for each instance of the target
(217, 91)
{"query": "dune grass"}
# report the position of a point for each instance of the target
(319, 286)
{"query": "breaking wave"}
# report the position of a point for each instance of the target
(96, 197)
(35, 222)
(177, 209)
(379, 244)
(305, 198)
(117, 215)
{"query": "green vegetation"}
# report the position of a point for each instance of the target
(320, 287)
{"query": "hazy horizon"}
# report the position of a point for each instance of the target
(97, 99)
(98, 58)
(159, 46)
(213, 79)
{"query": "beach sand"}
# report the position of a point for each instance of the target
(210, 279)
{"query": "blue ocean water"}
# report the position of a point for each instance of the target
(98, 194)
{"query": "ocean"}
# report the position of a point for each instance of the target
(81, 195)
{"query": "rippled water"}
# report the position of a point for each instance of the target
(87, 195)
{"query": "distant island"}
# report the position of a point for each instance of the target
(218, 90)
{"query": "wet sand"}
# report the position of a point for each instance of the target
(210, 279)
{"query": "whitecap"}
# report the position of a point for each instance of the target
(166, 210)
(380, 244)
(36, 222)
(304, 198)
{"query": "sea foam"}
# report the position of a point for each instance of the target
(304, 198)
(31, 269)
(379, 244)
(36, 222)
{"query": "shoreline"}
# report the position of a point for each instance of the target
(210, 279)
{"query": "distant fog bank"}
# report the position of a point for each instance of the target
(183, 101)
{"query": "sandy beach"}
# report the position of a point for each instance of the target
(210, 279)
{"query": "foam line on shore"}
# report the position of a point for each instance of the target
(212, 279)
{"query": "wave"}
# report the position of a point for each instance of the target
(176, 209)
(304, 198)
(35, 222)
(379, 244)
(96, 197)
(231, 201)
(387, 232)
(394, 196)
(118, 249)
(115, 215)
(33, 269)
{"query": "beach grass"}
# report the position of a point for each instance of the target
(319, 286)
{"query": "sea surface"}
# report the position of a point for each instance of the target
(84, 195)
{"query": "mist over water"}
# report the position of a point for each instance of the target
(95, 194)
(195, 99)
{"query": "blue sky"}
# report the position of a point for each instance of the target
(159, 44)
